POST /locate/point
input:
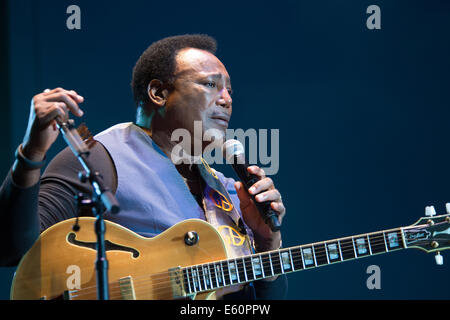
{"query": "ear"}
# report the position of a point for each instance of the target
(157, 93)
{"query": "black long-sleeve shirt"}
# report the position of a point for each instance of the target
(26, 212)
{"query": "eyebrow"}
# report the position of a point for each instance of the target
(216, 76)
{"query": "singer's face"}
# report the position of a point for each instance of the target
(201, 92)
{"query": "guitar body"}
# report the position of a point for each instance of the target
(62, 260)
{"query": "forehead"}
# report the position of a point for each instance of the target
(195, 61)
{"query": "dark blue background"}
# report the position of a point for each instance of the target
(363, 114)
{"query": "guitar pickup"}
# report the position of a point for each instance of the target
(177, 283)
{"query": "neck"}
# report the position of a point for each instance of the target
(223, 273)
(161, 134)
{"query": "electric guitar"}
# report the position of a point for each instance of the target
(189, 260)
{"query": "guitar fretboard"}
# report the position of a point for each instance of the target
(218, 274)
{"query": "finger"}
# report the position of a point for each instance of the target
(55, 111)
(257, 171)
(75, 96)
(72, 93)
(244, 199)
(271, 195)
(279, 208)
(68, 100)
(261, 185)
(50, 91)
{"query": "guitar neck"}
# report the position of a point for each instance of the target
(218, 274)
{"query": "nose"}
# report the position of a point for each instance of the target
(225, 98)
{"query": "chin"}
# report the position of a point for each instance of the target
(216, 136)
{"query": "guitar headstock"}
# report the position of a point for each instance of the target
(430, 233)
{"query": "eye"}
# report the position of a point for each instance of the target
(210, 84)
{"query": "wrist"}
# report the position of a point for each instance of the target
(263, 245)
(29, 153)
(29, 160)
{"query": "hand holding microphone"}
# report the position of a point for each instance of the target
(233, 151)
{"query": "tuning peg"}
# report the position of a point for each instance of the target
(430, 211)
(439, 259)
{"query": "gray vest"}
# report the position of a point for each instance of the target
(150, 191)
(153, 195)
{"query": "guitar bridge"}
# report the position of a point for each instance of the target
(127, 288)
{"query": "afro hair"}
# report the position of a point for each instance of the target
(158, 61)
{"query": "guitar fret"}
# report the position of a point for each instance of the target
(314, 256)
(320, 254)
(198, 283)
(201, 276)
(262, 266)
(275, 257)
(354, 247)
(266, 265)
(292, 260)
(215, 274)
(361, 248)
(186, 275)
(206, 277)
(385, 243)
(221, 276)
(248, 265)
(402, 234)
(245, 269)
(271, 264)
(191, 277)
(281, 261)
(368, 243)
(297, 258)
(326, 251)
(303, 258)
(347, 251)
(340, 250)
(253, 268)
(376, 245)
(286, 260)
(233, 273)
(393, 241)
(239, 271)
(226, 272)
(334, 253)
(308, 258)
(210, 278)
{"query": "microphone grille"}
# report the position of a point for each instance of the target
(232, 148)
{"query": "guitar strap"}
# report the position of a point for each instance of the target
(221, 213)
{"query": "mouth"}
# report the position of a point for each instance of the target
(222, 119)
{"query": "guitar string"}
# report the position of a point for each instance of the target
(350, 247)
(241, 264)
(373, 236)
(200, 284)
(276, 265)
(168, 289)
(212, 274)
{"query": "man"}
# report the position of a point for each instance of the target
(177, 81)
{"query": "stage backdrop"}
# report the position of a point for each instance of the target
(362, 113)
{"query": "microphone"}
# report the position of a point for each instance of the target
(234, 153)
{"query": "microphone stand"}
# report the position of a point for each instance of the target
(102, 198)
